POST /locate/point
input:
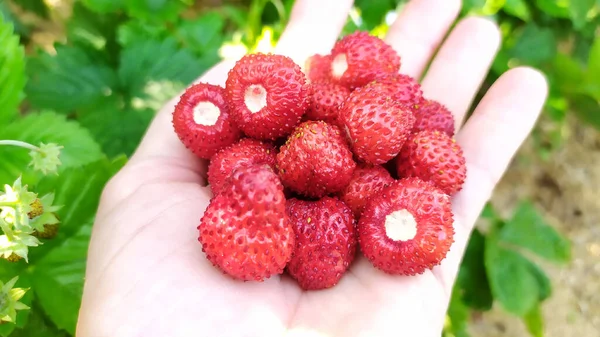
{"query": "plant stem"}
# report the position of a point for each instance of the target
(19, 144)
(8, 203)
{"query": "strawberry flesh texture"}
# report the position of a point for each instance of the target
(366, 182)
(432, 212)
(367, 58)
(316, 160)
(204, 140)
(433, 156)
(432, 115)
(318, 68)
(325, 102)
(244, 153)
(325, 241)
(245, 230)
(286, 95)
(375, 125)
(401, 88)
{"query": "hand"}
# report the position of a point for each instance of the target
(146, 273)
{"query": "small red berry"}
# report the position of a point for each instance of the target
(246, 152)
(366, 182)
(407, 228)
(432, 115)
(202, 120)
(325, 103)
(267, 95)
(325, 241)
(318, 68)
(402, 88)
(360, 58)
(433, 156)
(316, 160)
(245, 230)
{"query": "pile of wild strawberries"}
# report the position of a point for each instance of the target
(306, 168)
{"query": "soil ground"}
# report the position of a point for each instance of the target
(566, 189)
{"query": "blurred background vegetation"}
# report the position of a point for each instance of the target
(90, 74)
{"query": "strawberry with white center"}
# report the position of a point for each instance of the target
(267, 95)
(245, 230)
(202, 120)
(407, 228)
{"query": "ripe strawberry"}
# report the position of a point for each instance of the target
(407, 228)
(325, 241)
(326, 99)
(366, 182)
(202, 121)
(376, 126)
(267, 95)
(318, 68)
(246, 152)
(402, 88)
(433, 156)
(315, 160)
(432, 115)
(360, 58)
(245, 230)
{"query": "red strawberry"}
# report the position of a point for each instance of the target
(326, 99)
(402, 88)
(202, 121)
(246, 152)
(433, 156)
(432, 115)
(318, 68)
(267, 95)
(407, 228)
(376, 125)
(366, 182)
(245, 230)
(325, 241)
(315, 160)
(360, 58)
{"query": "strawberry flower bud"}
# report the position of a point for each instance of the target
(9, 300)
(46, 158)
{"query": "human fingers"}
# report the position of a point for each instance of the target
(461, 65)
(419, 29)
(490, 139)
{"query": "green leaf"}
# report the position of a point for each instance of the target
(568, 74)
(556, 8)
(535, 322)
(373, 11)
(58, 279)
(117, 127)
(203, 34)
(593, 73)
(457, 317)
(22, 320)
(579, 10)
(528, 229)
(157, 10)
(472, 278)
(135, 31)
(155, 72)
(586, 109)
(78, 190)
(104, 6)
(38, 326)
(12, 72)
(71, 79)
(518, 8)
(535, 45)
(511, 281)
(47, 127)
(544, 284)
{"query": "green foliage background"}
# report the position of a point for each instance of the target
(115, 62)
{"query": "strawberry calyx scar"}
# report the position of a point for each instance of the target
(206, 113)
(339, 65)
(255, 98)
(400, 225)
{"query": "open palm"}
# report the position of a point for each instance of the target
(147, 275)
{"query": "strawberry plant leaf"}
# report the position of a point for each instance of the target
(203, 35)
(117, 127)
(534, 322)
(544, 284)
(579, 10)
(373, 11)
(159, 10)
(104, 6)
(534, 46)
(527, 229)
(38, 325)
(518, 8)
(457, 317)
(568, 74)
(22, 320)
(12, 72)
(472, 278)
(556, 8)
(511, 281)
(586, 109)
(134, 31)
(149, 63)
(593, 73)
(72, 78)
(58, 279)
(79, 146)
